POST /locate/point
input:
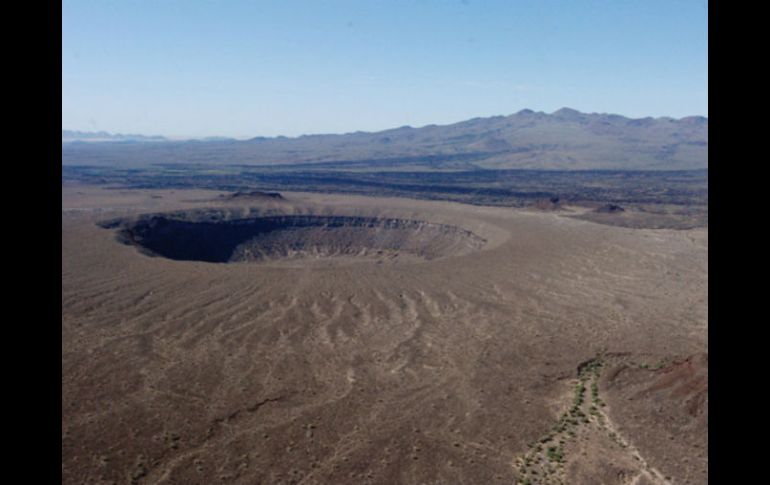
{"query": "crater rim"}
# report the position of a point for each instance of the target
(220, 236)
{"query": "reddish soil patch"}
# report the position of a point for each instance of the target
(664, 413)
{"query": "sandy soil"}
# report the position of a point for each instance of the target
(438, 371)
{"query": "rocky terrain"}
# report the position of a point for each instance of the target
(521, 346)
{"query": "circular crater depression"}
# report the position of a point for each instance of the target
(282, 237)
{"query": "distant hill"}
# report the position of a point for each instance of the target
(103, 136)
(566, 139)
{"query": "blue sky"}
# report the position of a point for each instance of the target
(192, 68)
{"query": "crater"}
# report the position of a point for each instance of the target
(218, 237)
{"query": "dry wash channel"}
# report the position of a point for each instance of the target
(217, 236)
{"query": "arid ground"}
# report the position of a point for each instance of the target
(530, 347)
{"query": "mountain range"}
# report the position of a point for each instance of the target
(565, 140)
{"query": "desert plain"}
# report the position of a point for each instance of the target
(536, 348)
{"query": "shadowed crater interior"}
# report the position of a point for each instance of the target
(218, 238)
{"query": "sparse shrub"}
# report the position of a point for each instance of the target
(554, 454)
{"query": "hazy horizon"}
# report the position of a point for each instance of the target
(241, 69)
(248, 137)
